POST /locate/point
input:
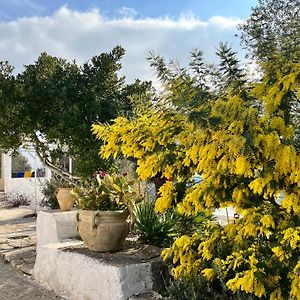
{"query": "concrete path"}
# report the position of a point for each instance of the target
(17, 287)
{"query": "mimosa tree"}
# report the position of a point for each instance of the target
(241, 138)
(245, 160)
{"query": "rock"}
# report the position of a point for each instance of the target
(27, 268)
(22, 242)
(5, 247)
(17, 239)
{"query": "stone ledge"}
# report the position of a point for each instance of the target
(72, 271)
(55, 226)
(131, 252)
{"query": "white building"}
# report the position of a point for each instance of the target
(27, 183)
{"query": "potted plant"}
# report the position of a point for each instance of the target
(105, 203)
(64, 195)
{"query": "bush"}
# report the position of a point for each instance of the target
(107, 192)
(162, 229)
(154, 229)
(194, 289)
(49, 191)
(16, 200)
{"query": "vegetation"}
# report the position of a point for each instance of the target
(20, 163)
(16, 200)
(107, 192)
(53, 103)
(152, 228)
(242, 138)
(50, 189)
(272, 36)
(194, 288)
(162, 229)
(272, 32)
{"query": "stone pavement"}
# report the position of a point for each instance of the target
(17, 247)
(16, 287)
(18, 238)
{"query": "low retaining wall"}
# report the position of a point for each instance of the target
(72, 271)
(55, 226)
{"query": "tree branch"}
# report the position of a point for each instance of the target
(40, 149)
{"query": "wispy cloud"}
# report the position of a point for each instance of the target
(127, 12)
(28, 4)
(80, 35)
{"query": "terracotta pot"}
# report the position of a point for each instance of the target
(103, 231)
(65, 199)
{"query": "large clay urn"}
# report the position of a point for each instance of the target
(103, 231)
(65, 199)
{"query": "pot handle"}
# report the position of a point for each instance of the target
(94, 220)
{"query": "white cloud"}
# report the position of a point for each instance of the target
(80, 35)
(127, 12)
(224, 22)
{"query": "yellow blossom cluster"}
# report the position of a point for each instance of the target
(246, 158)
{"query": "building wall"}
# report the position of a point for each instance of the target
(30, 187)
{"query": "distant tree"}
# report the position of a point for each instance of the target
(20, 163)
(272, 32)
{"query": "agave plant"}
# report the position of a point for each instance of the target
(162, 229)
(154, 229)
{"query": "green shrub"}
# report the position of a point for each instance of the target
(162, 229)
(185, 289)
(50, 190)
(154, 229)
(107, 192)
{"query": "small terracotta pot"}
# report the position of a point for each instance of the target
(65, 199)
(103, 231)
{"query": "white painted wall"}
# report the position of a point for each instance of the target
(30, 187)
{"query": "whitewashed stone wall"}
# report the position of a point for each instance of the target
(71, 271)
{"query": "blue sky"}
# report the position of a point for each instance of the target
(80, 29)
(204, 9)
